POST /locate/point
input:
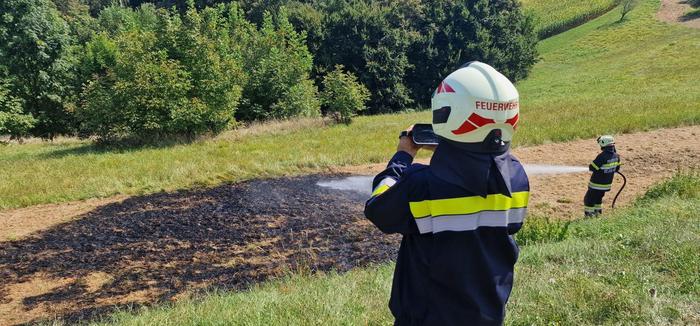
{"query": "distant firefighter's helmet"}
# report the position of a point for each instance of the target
(606, 140)
(473, 101)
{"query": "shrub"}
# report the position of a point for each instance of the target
(454, 32)
(279, 65)
(34, 43)
(371, 39)
(342, 95)
(13, 121)
(175, 76)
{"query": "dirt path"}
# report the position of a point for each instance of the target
(672, 11)
(647, 158)
(80, 260)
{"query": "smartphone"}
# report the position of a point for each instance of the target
(423, 134)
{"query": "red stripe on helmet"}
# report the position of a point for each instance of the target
(474, 121)
(464, 128)
(513, 121)
(479, 120)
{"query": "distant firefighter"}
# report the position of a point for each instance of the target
(603, 167)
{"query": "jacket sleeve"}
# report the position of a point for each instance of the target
(597, 163)
(388, 208)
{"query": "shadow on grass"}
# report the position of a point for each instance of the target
(119, 147)
(153, 248)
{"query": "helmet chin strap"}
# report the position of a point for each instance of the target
(493, 143)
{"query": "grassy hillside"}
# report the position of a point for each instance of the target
(637, 266)
(556, 16)
(602, 77)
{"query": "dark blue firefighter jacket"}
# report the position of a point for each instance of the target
(457, 217)
(604, 167)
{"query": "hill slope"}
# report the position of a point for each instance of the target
(602, 77)
(637, 266)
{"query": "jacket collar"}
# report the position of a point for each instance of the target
(475, 172)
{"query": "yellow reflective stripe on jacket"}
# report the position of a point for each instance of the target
(468, 205)
(383, 186)
(611, 165)
(595, 166)
(380, 190)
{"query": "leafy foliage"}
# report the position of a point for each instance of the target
(13, 121)
(342, 95)
(279, 64)
(454, 32)
(90, 65)
(174, 76)
(34, 42)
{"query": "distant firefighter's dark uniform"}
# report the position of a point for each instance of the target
(603, 167)
(457, 217)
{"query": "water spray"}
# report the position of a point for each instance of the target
(624, 183)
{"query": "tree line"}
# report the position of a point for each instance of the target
(134, 69)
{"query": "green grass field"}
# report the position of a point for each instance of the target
(635, 266)
(555, 16)
(602, 77)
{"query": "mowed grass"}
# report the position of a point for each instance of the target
(602, 77)
(555, 16)
(635, 266)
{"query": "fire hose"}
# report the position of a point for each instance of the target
(624, 183)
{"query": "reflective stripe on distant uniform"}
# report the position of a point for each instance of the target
(599, 186)
(469, 213)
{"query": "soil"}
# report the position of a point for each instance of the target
(163, 247)
(647, 158)
(160, 247)
(673, 11)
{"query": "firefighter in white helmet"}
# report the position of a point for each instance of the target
(458, 214)
(603, 167)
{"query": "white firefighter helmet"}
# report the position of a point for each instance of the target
(472, 101)
(606, 140)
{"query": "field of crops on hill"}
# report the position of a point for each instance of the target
(552, 16)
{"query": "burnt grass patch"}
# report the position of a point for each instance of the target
(165, 244)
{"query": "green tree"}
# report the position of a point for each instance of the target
(166, 75)
(279, 64)
(13, 121)
(342, 95)
(371, 39)
(454, 32)
(34, 43)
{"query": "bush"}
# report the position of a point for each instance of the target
(402, 49)
(34, 43)
(175, 77)
(13, 121)
(279, 65)
(371, 39)
(455, 32)
(342, 95)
